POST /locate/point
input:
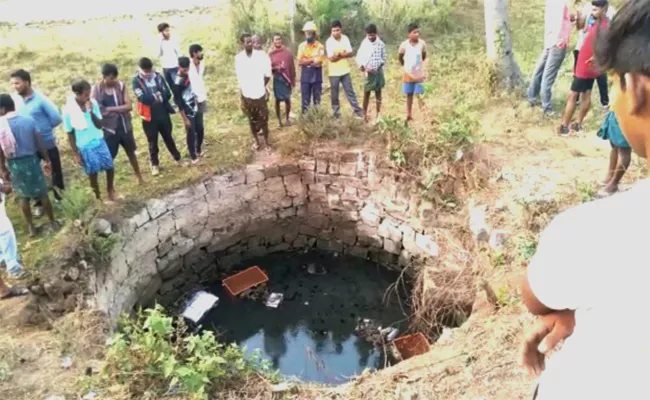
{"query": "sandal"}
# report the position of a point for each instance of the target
(15, 292)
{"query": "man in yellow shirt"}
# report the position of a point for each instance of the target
(311, 54)
(339, 50)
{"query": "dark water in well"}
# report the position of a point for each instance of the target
(311, 334)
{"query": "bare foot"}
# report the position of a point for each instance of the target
(31, 229)
(140, 181)
(287, 123)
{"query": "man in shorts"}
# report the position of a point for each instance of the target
(585, 73)
(115, 105)
(412, 53)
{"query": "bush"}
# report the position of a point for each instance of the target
(153, 355)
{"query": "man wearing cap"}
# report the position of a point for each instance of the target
(311, 54)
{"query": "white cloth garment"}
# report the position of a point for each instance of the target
(169, 51)
(77, 115)
(593, 259)
(7, 139)
(251, 71)
(364, 53)
(198, 84)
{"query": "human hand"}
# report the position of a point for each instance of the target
(187, 123)
(88, 106)
(547, 332)
(561, 44)
(590, 60)
(5, 175)
(47, 167)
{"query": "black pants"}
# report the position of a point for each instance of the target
(601, 81)
(57, 173)
(195, 135)
(164, 128)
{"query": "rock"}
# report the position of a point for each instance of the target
(282, 387)
(72, 274)
(477, 223)
(498, 238)
(427, 245)
(55, 397)
(101, 227)
(156, 208)
(66, 363)
(254, 174)
(500, 205)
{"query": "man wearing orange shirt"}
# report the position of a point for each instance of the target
(311, 54)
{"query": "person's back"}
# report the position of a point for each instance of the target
(24, 130)
(588, 280)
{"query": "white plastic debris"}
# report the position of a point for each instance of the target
(55, 397)
(199, 305)
(90, 396)
(66, 363)
(274, 300)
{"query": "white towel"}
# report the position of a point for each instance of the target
(364, 53)
(7, 139)
(77, 115)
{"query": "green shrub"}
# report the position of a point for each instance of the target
(77, 201)
(153, 355)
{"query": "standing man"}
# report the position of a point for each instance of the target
(339, 50)
(115, 106)
(412, 54)
(284, 76)
(19, 161)
(371, 59)
(590, 268)
(585, 74)
(311, 55)
(188, 107)
(557, 29)
(168, 50)
(153, 96)
(83, 122)
(33, 104)
(196, 73)
(584, 20)
(253, 70)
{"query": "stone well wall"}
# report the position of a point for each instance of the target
(337, 202)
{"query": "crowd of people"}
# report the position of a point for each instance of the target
(255, 69)
(561, 18)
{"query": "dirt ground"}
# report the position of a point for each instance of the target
(477, 360)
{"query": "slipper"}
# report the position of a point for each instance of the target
(15, 292)
(602, 193)
(255, 146)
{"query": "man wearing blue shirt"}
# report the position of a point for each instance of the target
(31, 103)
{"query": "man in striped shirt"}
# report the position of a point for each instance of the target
(371, 59)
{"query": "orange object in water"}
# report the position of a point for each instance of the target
(412, 345)
(242, 281)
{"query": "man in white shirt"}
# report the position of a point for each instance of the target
(588, 281)
(169, 51)
(253, 70)
(338, 50)
(557, 30)
(197, 70)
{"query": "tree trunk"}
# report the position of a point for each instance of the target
(499, 44)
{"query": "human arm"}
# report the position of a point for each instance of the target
(349, 52)
(554, 286)
(124, 108)
(3, 165)
(166, 91)
(319, 58)
(424, 51)
(72, 141)
(177, 91)
(330, 46)
(144, 96)
(52, 112)
(400, 54)
(95, 114)
(302, 60)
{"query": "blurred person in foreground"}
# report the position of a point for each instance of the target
(587, 283)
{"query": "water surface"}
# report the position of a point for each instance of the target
(311, 334)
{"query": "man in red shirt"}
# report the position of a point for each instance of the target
(585, 73)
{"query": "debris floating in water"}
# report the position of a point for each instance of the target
(199, 305)
(274, 300)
